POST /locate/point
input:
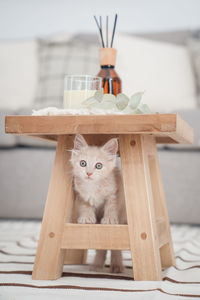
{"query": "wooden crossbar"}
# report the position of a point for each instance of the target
(100, 236)
(95, 236)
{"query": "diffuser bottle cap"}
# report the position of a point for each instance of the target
(107, 56)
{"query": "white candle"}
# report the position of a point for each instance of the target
(78, 88)
(74, 98)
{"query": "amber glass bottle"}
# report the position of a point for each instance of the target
(111, 82)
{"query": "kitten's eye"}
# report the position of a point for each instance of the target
(98, 166)
(83, 163)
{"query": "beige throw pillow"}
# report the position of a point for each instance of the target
(18, 73)
(162, 70)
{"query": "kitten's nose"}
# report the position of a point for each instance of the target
(89, 174)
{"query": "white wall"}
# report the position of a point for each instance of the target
(27, 18)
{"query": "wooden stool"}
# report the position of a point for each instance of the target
(147, 234)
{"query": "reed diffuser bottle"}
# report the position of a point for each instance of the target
(111, 82)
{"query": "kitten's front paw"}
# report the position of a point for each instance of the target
(110, 220)
(87, 219)
(116, 268)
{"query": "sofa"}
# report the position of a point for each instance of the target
(162, 64)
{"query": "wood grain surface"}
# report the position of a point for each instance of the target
(167, 128)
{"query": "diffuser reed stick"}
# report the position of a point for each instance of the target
(100, 31)
(99, 25)
(113, 33)
(107, 31)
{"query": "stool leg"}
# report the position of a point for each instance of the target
(166, 251)
(49, 257)
(139, 207)
(75, 257)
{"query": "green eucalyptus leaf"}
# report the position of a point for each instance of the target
(138, 111)
(129, 110)
(144, 108)
(107, 105)
(108, 98)
(99, 95)
(90, 102)
(135, 100)
(108, 101)
(122, 101)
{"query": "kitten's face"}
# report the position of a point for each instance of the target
(92, 163)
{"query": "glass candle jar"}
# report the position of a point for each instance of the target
(78, 88)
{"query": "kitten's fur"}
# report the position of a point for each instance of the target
(99, 192)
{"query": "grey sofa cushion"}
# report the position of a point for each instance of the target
(25, 174)
(24, 179)
(181, 173)
(6, 140)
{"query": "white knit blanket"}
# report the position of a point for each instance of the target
(18, 242)
(54, 111)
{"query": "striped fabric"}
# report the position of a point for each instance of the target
(18, 242)
(76, 56)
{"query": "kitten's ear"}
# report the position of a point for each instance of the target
(79, 142)
(111, 147)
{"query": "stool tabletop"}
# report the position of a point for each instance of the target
(167, 128)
